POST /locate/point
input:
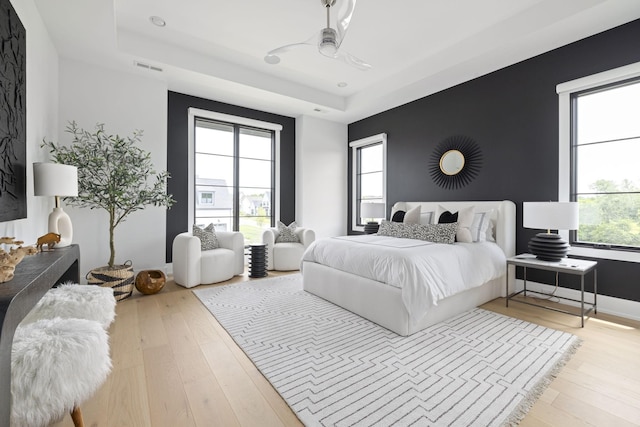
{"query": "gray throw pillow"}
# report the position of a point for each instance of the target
(207, 236)
(287, 234)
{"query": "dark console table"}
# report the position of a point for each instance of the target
(33, 277)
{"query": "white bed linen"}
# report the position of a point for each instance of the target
(425, 272)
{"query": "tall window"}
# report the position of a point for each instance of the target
(369, 174)
(234, 175)
(605, 177)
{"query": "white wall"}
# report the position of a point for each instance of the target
(42, 118)
(123, 102)
(321, 176)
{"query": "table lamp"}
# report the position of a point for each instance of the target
(54, 179)
(550, 216)
(372, 210)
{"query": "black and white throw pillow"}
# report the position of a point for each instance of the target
(437, 233)
(207, 236)
(287, 234)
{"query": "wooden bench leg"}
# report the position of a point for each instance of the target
(76, 416)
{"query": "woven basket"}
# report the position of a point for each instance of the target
(119, 277)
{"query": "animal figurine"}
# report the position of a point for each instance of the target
(49, 239)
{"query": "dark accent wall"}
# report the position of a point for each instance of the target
(512, 114)
(178, 156)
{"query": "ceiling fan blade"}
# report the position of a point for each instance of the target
(272, 57)
(345, 12)
(287, 48)
(354, 61)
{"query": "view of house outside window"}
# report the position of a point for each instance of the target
(370, 176)
(234, 178)
(605, 171)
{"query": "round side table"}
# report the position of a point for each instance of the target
(258, 260)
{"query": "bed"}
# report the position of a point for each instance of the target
(383, 300)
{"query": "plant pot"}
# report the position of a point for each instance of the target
(119, 277)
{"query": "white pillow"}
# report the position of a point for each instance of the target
(412, 216)
(426, 218)
(482, 228)
(465, 219)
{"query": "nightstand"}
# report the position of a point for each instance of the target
(565, 266)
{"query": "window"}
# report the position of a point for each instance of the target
(599, 127)
(369, 177)
(606, 177)
(206, 198)
(233, 173)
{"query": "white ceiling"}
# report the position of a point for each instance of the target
(215, 49)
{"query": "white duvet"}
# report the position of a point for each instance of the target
(425, 272)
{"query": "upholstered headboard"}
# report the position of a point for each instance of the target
(503, 217)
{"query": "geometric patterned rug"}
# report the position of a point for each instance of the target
(334, 368)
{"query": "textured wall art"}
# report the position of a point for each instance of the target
(13, 126)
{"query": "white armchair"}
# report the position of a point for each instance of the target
(286, 256)
(193, 266)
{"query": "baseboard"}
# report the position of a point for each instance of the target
(609, 305)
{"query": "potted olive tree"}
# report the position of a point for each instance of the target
(117, 176)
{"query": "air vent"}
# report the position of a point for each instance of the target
(147, 66)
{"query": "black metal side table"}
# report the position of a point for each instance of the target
(258, 260)
(569, 266)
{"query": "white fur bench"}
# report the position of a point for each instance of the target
(60, 354)
(74, 301)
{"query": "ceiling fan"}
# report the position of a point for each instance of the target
(329, 39)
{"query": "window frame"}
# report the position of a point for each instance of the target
(197, 113)
(566, 92)
(380, 138)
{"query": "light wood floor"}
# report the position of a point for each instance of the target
(174, 365)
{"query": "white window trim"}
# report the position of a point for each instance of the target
(243, 121)
(564, 91)
(381, 137)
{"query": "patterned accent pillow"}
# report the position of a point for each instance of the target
(207, 236)
(437, 233)
(287, 234)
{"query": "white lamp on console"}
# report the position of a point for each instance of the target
(372, 210)
(550, 216)
(54, 179)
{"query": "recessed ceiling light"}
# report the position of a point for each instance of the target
(342, 84)
(272, 59)
(157, 21)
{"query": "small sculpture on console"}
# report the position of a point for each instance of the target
(49, 239)
(9, 260)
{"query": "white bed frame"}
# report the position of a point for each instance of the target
(382, 303)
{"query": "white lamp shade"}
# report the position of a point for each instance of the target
(53, 179)
(550, 215)
(372, 210)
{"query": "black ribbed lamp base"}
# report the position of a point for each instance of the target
(548, 247)
(371, 227)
